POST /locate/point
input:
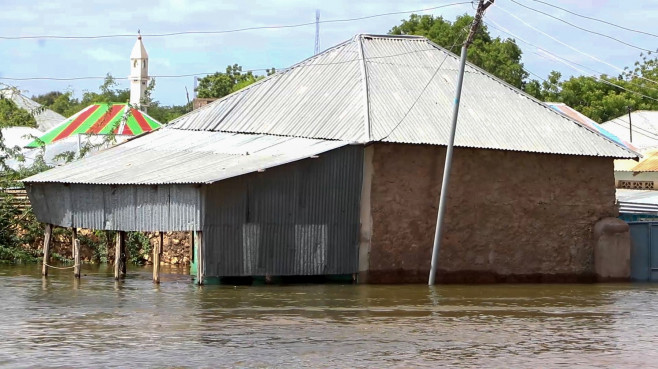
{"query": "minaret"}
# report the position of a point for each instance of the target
(139, 74)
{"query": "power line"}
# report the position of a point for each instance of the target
(298, 65)
(567, 62)
(116, 78)
(426, 85)
(596, 19)
(569, 46)
(579, 27)
(505, 30)
(231, 30)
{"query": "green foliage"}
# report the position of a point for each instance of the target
(500, 57)
(64, 103)
(13, 116)
(138, 247)
(165, 114)
(602, 100)
(221, 84)
(98, 242)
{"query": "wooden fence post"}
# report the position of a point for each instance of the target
(46, 248)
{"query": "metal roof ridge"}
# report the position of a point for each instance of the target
(376, 35)
(366, 87)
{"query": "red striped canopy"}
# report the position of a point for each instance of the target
(100, 119)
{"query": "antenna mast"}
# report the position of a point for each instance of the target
(317, 31)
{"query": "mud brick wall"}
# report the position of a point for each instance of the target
(511, 216)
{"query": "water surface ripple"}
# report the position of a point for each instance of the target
(97, 322)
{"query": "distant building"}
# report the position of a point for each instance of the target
(139, 74)
(334, 165)
(202, 101)
(45, 118)
(91, 126)
(645, 128)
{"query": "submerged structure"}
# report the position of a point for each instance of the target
(334, 165)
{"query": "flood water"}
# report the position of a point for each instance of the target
(96, 322)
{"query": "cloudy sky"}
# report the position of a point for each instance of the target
(259, 49)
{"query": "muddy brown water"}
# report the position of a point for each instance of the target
(96, 322)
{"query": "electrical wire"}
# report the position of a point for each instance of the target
(579, 27)
(298, 65)
(426, 85)
(563, 60)
(596, 19)
(500, 28)
(232, 30)
(569, 46)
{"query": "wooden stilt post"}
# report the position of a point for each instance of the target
(74, 236)
(123, 254)
(120, 255)
(200, 270)
(156, 259)
(46, 249)
(76, 259)
(75, 250)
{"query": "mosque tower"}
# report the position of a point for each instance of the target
(139, 74)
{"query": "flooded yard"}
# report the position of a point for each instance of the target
(97, 322)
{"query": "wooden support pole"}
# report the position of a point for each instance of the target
(74, 236)
(76, 258)
(200, 270)
(156, 258)
(120, 255)
(124, 255)
(46, 248)
(75, 252)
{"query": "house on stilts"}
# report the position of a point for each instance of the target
(333, 167)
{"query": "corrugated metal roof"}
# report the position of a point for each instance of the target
(100, 119)
(367, 89)
(46, 119)
(649, 163)
(183, 156)
(645, 128)
(637, 201)
(586, 121)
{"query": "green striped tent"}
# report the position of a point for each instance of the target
(100, 119)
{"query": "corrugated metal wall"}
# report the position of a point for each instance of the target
(120, 207)
(297, 219)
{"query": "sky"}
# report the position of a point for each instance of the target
(279, 48)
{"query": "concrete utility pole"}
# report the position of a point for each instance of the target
(482, 6)
(630, 125)
(317, 32)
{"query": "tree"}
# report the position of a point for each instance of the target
(604, 97)
(221, 84)
(11, 115)
(500, 57)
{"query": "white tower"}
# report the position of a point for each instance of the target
(139, 74)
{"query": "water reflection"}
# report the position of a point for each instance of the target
(60, 321)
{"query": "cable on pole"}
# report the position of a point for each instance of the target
(581, 28)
